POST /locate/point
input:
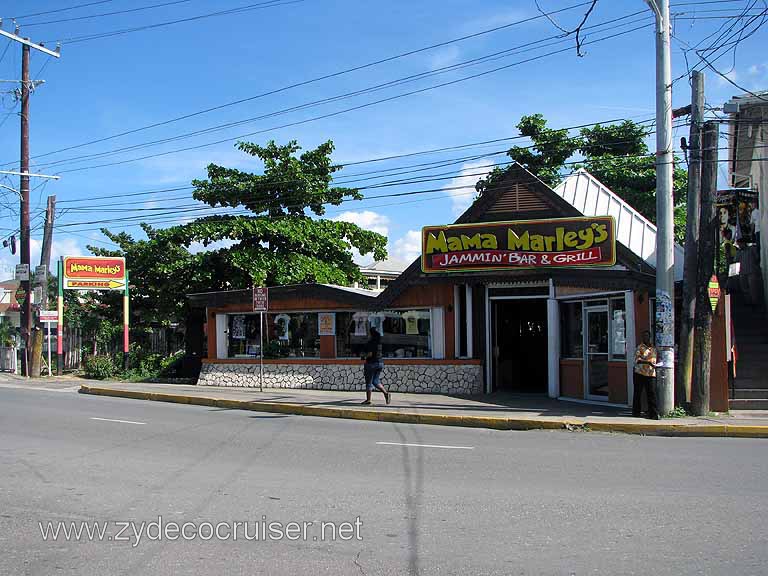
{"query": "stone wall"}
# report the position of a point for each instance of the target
(428, 378)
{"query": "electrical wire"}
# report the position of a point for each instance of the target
(346, 110)
(310, 81)
(91, 16)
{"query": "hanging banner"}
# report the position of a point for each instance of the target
(94, 273)
(714, 292)
(554, 243)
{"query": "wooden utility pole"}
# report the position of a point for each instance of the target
(26, 86)
(26, 307)
(706, 265)
(685, 366)
(36, 352)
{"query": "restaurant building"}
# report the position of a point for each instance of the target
(531, 290)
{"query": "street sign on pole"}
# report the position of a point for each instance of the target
(260, 299)
(22, 272)
(41, 275)
(261, 305)
(49, 316)
(714, 292)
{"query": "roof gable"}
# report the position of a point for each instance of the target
(593, 198)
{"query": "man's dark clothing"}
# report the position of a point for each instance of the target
(647, 384)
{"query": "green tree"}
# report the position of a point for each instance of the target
(276, 236)
(616, 154)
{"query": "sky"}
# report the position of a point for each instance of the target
(109, 85)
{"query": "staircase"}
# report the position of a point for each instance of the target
(750, 387)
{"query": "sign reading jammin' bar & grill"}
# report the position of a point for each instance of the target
(553, 243)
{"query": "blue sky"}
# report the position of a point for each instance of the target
(110, 85)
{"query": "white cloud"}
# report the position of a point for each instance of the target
(366, 219)
(64, 247)
(732, 75)
(444, 57)
(407, 248)
(461, 189)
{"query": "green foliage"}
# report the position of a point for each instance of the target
(616, 154)
(678, 412)
(7, 331)
(99, 367)
(551, 149)
(282, 241)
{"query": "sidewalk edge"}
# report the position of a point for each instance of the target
(489, 422)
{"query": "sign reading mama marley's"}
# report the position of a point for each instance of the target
(554, 243)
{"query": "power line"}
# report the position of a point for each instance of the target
(310, 81)
(346, 110)
(250, 7)
(62, 9)
(103, 14)
(453, 67)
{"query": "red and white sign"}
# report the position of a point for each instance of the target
(260, 299)
(94, 273)
(49, 316)
(510, 259)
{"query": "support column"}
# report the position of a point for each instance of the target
(553, 348)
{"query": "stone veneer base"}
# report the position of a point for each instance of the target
(426, 378)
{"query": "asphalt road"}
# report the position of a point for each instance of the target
(462, 501)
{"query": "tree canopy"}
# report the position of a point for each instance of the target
(615, 154)
(274, 234)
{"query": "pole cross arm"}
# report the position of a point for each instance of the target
(55, 53)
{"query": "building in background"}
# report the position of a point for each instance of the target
(748, 168)
(378, 275)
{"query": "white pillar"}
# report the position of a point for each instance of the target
(629, 305)
(221, 336)
(553, 348)
(470, 350)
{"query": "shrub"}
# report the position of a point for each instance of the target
(99, 367)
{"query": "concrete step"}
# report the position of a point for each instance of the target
(752, 370)
(748, 404)
(743, 383)
(750, 394)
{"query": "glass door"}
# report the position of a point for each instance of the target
(596, 354)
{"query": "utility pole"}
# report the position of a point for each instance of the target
(706, 265)
(26, 307)
(36, 352)
(665, 258)
(685, 365)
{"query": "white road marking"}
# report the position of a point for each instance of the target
(425, 445)
(120, 421)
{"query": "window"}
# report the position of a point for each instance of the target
(405, 333)
(285, 335)
(351, 334)
(293, 335)
(618, 329)
(571, 333)
(243, 335)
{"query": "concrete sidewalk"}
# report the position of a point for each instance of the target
(497, 411)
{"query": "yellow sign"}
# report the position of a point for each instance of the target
(94, 285)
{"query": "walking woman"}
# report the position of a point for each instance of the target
(373, 367)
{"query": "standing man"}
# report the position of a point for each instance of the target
(645, 377)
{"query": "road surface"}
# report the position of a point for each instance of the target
(429, 500)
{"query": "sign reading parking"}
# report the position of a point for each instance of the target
(94, 273)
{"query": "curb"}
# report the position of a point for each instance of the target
(488, 422)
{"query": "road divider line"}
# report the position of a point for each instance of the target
(425, 445)
(120, 421)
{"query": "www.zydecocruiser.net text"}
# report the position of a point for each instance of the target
(263, 530)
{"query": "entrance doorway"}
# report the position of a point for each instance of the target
(596, 353)
(519, 345)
